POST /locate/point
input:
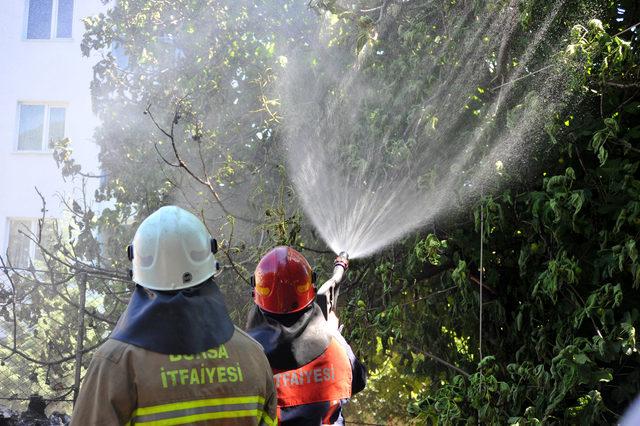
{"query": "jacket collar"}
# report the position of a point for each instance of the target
(186, 321)
(290, 341)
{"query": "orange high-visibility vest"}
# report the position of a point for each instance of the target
(326, 378)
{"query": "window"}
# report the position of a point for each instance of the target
(49, 19)
(21, 250)
(41, 126)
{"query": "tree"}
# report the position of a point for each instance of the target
(196, 113)
(560, 272)
(59, 308)
(416, 304)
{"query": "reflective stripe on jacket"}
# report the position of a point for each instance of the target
(231, 384)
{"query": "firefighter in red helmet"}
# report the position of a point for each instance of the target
(315, 370)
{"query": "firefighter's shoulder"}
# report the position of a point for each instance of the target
(112, 350)
(244, 336)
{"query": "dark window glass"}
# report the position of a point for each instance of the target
(65, 18)
(39, 23)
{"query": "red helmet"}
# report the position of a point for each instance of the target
(283, 282)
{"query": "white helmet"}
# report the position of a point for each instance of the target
(172, 250)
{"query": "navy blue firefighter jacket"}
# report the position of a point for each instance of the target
(315, 370)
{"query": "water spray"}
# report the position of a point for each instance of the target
(370, 167)
(328, 293)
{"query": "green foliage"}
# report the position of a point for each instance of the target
(430, 250)
(560, 271)
(189, 118)
(560, 276)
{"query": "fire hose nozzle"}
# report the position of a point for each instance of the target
(328, 294)
(342, 260)
(340, 265)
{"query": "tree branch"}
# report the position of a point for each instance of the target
(622, 85)
(440, 360)
(206, 182)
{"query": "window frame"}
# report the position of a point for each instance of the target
(33, 228)
(32, 246)
(45, 126)
(53, 35)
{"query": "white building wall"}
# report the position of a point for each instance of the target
(42, 71)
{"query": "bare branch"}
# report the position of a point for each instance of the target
(230, 259)
(484, 286)
(622, 85)
(627, 29)
(531, 74)
(13, 304)
(440, 360)
(181, 163)
(58, 361)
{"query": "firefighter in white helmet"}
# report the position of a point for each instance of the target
(174, 356)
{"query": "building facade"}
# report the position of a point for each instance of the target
(44, 97)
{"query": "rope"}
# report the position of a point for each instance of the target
(481, 270)
(481, 273)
